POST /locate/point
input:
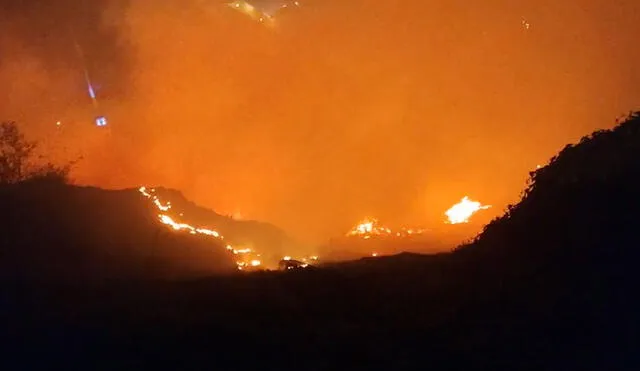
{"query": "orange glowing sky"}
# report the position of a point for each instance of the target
(395, 109)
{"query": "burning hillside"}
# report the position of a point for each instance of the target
(114, 234)
(247, 251)
(69, 232)
(370, 227)
(462, 212)
(248, 256)
(370, 237)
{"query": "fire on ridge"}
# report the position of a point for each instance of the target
(370, 227)
(247, 258)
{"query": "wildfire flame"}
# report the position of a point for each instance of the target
(371, 227)
(464, 210)
(248, 258)
(367, 227)
(244, 257)
(242, 261)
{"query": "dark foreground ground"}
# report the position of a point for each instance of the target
(404, 312)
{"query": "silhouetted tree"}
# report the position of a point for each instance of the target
(17, 158)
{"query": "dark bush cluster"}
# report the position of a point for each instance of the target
(19, 163)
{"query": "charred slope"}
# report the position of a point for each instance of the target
(57, 231)
(263, 237)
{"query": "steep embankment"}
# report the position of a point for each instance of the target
(52, 230)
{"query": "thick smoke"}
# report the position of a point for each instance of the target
(346, 109)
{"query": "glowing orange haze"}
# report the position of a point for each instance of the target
(347, 108)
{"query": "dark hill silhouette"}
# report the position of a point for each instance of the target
(56, 231)
(586, 198)
(578, 212)
(562, 263)
(51, 225)
(551, 285)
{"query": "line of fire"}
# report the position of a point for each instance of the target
(369, 238)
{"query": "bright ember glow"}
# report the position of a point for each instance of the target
(464, 210)
(371, 227)
(368, 226)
